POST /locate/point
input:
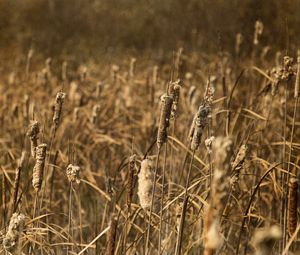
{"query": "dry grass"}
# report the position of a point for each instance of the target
(192, 155)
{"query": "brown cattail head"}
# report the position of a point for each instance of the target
(60, 97)
(175, 92)
(287, 71)
(130, 176)
(199, 125)
(145, 183)
(112, 234)
(95, 114)
(64, 71)
(132, 67)
(12, 237)
(164, 121)
(155, 75)
(33, 132)
(73, 173)
(297, 82)
(238, 43)
(38, 169)
(264, 240)
(292, 206)
(259, 27)
(237, 165)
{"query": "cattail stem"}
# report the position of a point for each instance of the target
(180, 231)
(152, 202)
(162, 200)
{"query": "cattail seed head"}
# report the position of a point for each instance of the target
(12, 237)
(33, 132)
(132, 67)
(297, 82)
(222, 151)
(164, 121)
(238, 43)
(145, 183)
(95, 114)
(199, 125)
(292, 206)
(259, 27)
(60, 97)
(175, 92)
(64, 71)
(73, 173)
(38, 169)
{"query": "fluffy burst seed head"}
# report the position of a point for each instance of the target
(73, 173)
(145, 181)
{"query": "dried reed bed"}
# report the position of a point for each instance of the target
(196, 156)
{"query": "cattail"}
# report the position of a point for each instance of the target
(73, 173)
(199, 125)
(64, 71)
(11, 241)
(33, 132)
(29, 57)
(222, 151)
(237, 165)
(76, 114)
(26, 106)
(17, 180)
(211, 232)
(238, 162)
(175, 94)
(155, 75)
(129, 185)
(111, 243)
(48, 64)
(114, 73)
(164, 121)
(99, 89)
(292, 206)
(83, 74)
(132, 67)
(209, 143)
(38, 170)
(264, 240)
(60, 97)
(145, 183)
(95, 114)
(297, 82)
(238, 43)
(259, 27)
(287, 71)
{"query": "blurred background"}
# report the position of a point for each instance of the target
(97, 27)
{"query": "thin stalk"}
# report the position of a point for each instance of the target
(180, 231)
(162, 199)
(152, 202)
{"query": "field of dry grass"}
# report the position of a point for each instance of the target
(190, 153)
